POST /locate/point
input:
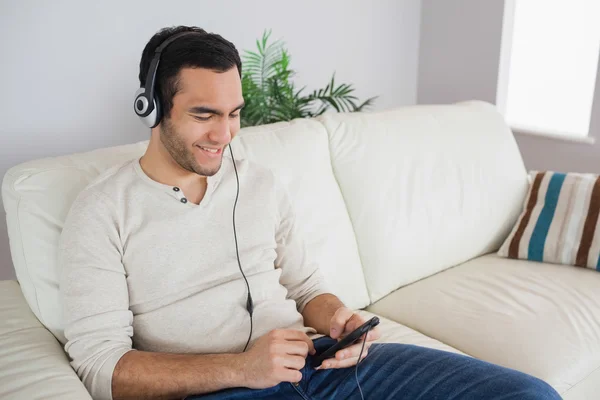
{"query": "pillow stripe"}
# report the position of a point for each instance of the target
(535, 215)
(570, 187)
(595, 248)
(589, 227)
(576, 223)
(513, 250)
(540, 233)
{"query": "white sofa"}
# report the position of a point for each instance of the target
(405, 210)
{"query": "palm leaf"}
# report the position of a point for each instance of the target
(339, 97)
(271, 96)
(366, 104)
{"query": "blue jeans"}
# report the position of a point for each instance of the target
(400, 371)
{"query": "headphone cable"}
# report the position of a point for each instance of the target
(358, 362)
(249, 303)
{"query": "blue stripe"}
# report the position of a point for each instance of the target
(540, 232)
(598, 264)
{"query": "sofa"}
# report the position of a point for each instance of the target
(405, 210)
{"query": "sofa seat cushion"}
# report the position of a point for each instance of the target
(33, 364)
(542, 319)
(393, 332)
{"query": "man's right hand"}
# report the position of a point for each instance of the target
(276, 357)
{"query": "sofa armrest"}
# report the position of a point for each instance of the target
(33, 364)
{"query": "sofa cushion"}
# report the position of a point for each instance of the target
(298, 153)
(32, 363)
(393, 332)
(426, 187)
(37, 196)
(542, 319)
(559, 222)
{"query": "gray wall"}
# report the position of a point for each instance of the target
(69, 68)
(459, 60)
(459, 50)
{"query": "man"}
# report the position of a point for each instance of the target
(156, 300)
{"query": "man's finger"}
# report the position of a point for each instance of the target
(291, 334)
(290, 375)
(352, 351)
(332, 363)
(354, 323)
(295, 348)
(338, 322)
(294, 362)
(374, 334)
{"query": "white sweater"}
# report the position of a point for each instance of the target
(143, 270)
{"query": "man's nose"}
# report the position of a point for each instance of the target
(221, 132)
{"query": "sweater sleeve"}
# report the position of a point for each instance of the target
(93, 287)
(300, 274)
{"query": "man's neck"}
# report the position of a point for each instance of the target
(158, 164)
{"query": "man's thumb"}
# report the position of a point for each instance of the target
(338, 322)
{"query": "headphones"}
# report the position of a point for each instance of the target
(147, 103)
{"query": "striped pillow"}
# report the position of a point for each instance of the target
(559, 223)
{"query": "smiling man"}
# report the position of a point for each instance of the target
(164, 297)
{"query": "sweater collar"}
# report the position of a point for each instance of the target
(211, 181)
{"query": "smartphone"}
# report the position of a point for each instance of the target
(346, 341)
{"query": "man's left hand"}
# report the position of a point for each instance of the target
(344, 322)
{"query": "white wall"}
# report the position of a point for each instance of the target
(69, 68)
(459, 55)
(459, 60)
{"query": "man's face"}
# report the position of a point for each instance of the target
(205, 117)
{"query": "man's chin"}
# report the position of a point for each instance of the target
(207, 171)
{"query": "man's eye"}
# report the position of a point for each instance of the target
(199, 118)
(234, 115)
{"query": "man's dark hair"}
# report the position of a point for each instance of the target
(206, 50)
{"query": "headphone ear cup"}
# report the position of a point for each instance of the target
(157, 112)
(140, 105)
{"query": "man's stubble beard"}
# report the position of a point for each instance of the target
(176, 147)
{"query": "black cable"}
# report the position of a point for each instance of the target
(249, 303)
(356, 366)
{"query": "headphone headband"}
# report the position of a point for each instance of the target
(151, 77)
(144, 103)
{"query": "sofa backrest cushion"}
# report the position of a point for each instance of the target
(427, 187)
(37, 196)
(298, 154)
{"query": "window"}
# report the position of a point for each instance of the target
(548, 67)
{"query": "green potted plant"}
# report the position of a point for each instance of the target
(271, 96)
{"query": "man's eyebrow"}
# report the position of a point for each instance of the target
(239, 107)
(208, 110)
(204, 110)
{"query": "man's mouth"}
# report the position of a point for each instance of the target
(210, 151)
